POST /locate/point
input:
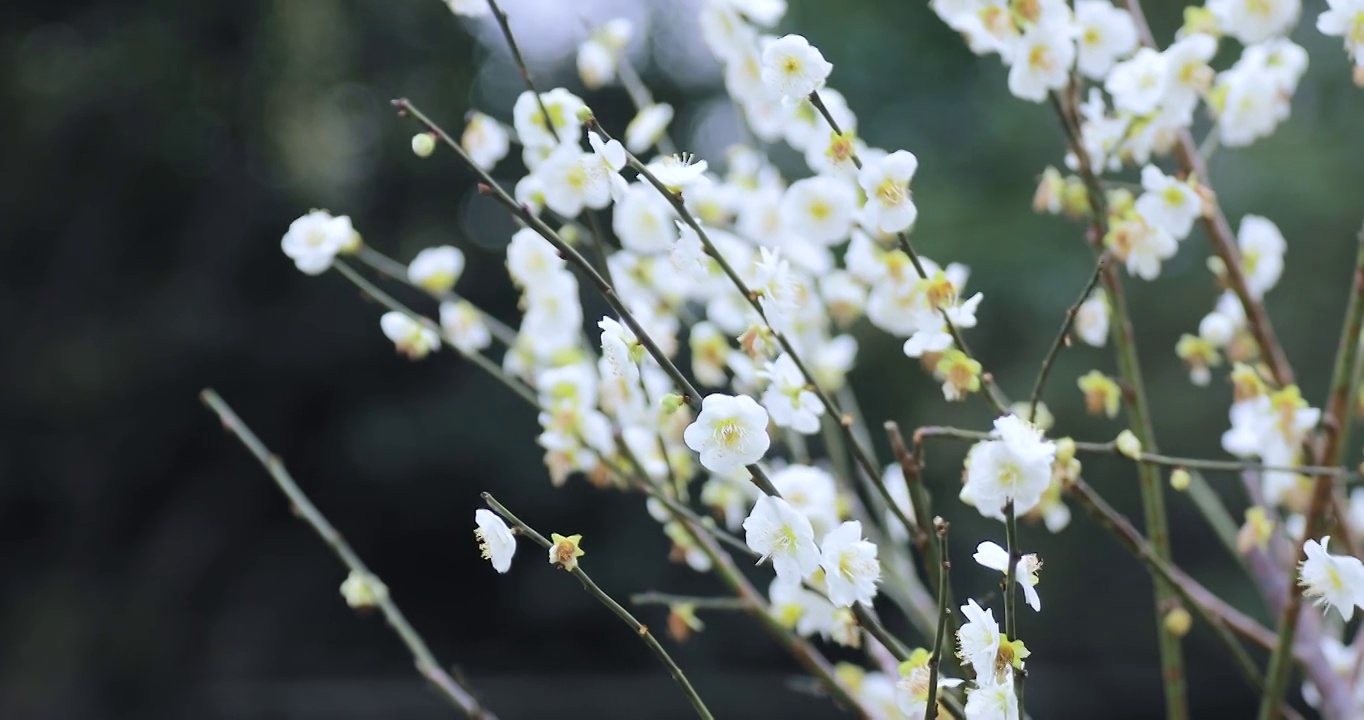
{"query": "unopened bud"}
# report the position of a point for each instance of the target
(1178, 621)
(671, 403)
(1180, 479)
(423, 144)
(1129, 445)
(363, 591)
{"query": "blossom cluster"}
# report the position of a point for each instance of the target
(756, 283)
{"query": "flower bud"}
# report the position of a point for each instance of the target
(423, 144)
(1129, 445)
(363, 591)
(671, 402)
(1178, 621)
(1180, 479)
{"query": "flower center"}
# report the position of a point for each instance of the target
(890, 192)
(1039, 58)
(730, 433)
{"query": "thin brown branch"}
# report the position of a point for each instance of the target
(454, 689)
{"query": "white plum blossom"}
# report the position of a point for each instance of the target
(1091, 320)
(643, 220)
(890, 204)
(676, 172)
(1139, 84)
(531, 260)
(1262, 249)
(314, 240)
(1167, 203)
(820, 209)
(978, 639)
(805, 611)
(811, 491)
(484, 139)
(1272, 427)
(992, 556)
(495, 539)
(1016, 466)
(571, 180)
(1040, 61)
(469, 8)
(777, 286)
(436, 269)
(992, 701)
(563, 107)
(411, 338)
(1217, 329)
(1252, 21)
(1142, 247)
(1333, 580)
(463, 326)
(598, 55)
(647, 127)
(1253, 97)
(792, 67)
(621, 349)
(1106, 34)
(987, 25)
(729, 433)
(788, 398)
(851, 569)
(1190, 76)
(1345, 19)
(779, 532)
(911, 691)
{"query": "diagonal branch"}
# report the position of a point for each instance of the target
(1335, 425)
(595, 591)
(451, 687)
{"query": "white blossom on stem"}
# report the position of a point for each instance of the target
(851, 569)
(793, 67)
(730, 432)
(779, 532)
(992, 556)
(1333, 580)
(495, 539)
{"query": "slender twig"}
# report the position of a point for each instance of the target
(1064, 333)
(1173, 677)
(392, 269)
(383, 298)
(941, 431)
(1335, 425)
(1222, 617)
(521, 67)
(700, 603)
(453, 688)
(993, 395)
(595, 591)
(944, 610)
(1010, 591)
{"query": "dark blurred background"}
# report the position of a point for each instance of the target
(153, 154)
